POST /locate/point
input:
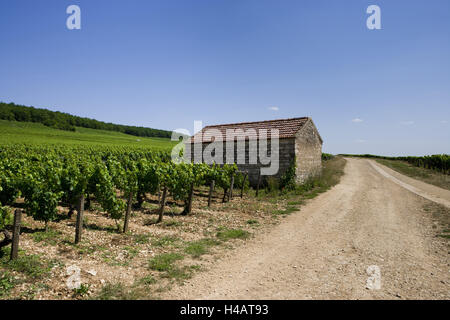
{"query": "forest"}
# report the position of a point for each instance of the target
(68, 122)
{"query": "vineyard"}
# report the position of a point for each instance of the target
(437, 162)
(128, 213)
(48, 177)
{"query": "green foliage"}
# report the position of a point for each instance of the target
(227, 234)
(200, 247)
(164, 262)
(49, 176)
(286, 211)
(64, 121)
(141, 238)
(327, 156)
(116, 291)
(8, 181)
(31, 265)
(180, 273)
(6, 217)
(50, 236)
(42, 205)
(287, 180)
(7, 283)
(239, 180)
(147, 280)
(104, 190)
(273, 184)
(12, 132)
(164, 241)
(82, 291)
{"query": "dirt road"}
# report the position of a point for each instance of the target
(323, 251)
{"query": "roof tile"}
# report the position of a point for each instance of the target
(287, 128)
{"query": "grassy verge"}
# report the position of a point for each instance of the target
(425, 175)
(441, 215)
(290, 200)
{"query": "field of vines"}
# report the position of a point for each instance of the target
(117, 178)
(130, 219)
(436, 162)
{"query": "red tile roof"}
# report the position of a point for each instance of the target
(287, 128)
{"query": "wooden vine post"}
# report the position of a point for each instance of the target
(230, 196)
(79, 223)
(128, 213)
(16, 234)
(211, 189)
(188, 208)
(159, 195)
(163, 203)
(259, 182)
(243, 184)
(225, 193)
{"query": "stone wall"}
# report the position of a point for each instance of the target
(308, 151)
(286, 156)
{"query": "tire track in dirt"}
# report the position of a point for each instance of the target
(420, 188)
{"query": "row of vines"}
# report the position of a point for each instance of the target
(117, 178)
(437, 162)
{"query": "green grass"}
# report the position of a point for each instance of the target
(146, 281)
(285, 211)
(164, 261)
(182, 273)
(225, 234)
(171, 223)
(82, 291)
(32, 266)
(200, 247)
(425, 175)
(50, 237)
(12, 132)
(164, 241)
(441, 215)
(141, 238)
(7, 283)
(116, 291)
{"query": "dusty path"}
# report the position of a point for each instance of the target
(323, 251)
(420, 188)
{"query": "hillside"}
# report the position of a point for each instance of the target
(37, 133)
(68, 122)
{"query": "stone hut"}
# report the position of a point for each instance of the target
(287, 140)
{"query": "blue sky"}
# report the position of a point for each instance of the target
(164, 64)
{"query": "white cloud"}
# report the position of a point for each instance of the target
(360, 140)
(407, 123)
(357, 120)
(444, 121)
(274, 108)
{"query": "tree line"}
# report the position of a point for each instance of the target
(68, 122)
